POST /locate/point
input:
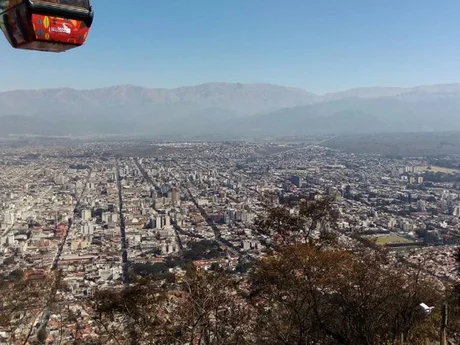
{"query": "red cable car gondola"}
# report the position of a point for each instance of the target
(46, 25)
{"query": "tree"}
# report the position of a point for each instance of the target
(300, 221)
(208, 308)
(305, 295)
(16, 275)
(21, 304)
(133, 315)
(213, 310)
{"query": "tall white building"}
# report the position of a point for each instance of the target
(457, 211)
(162, 220)
(87, 229)
(86, 214)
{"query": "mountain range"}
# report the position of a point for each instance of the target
(228, 110)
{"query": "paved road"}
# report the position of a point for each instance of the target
(124, 245)
(42, 330)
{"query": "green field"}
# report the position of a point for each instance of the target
(438, 169)
(382, 240)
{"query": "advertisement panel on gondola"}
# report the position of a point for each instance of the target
(59, 29)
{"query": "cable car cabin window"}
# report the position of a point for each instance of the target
(8, 4)
(12, 21)
(24, 21)
(73, 3)
(5, 29)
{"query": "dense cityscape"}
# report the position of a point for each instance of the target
(229, 173)
(95, 212)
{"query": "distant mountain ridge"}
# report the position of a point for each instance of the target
(244, 98)
(228, 110)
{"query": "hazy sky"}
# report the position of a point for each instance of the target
(321, 45)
